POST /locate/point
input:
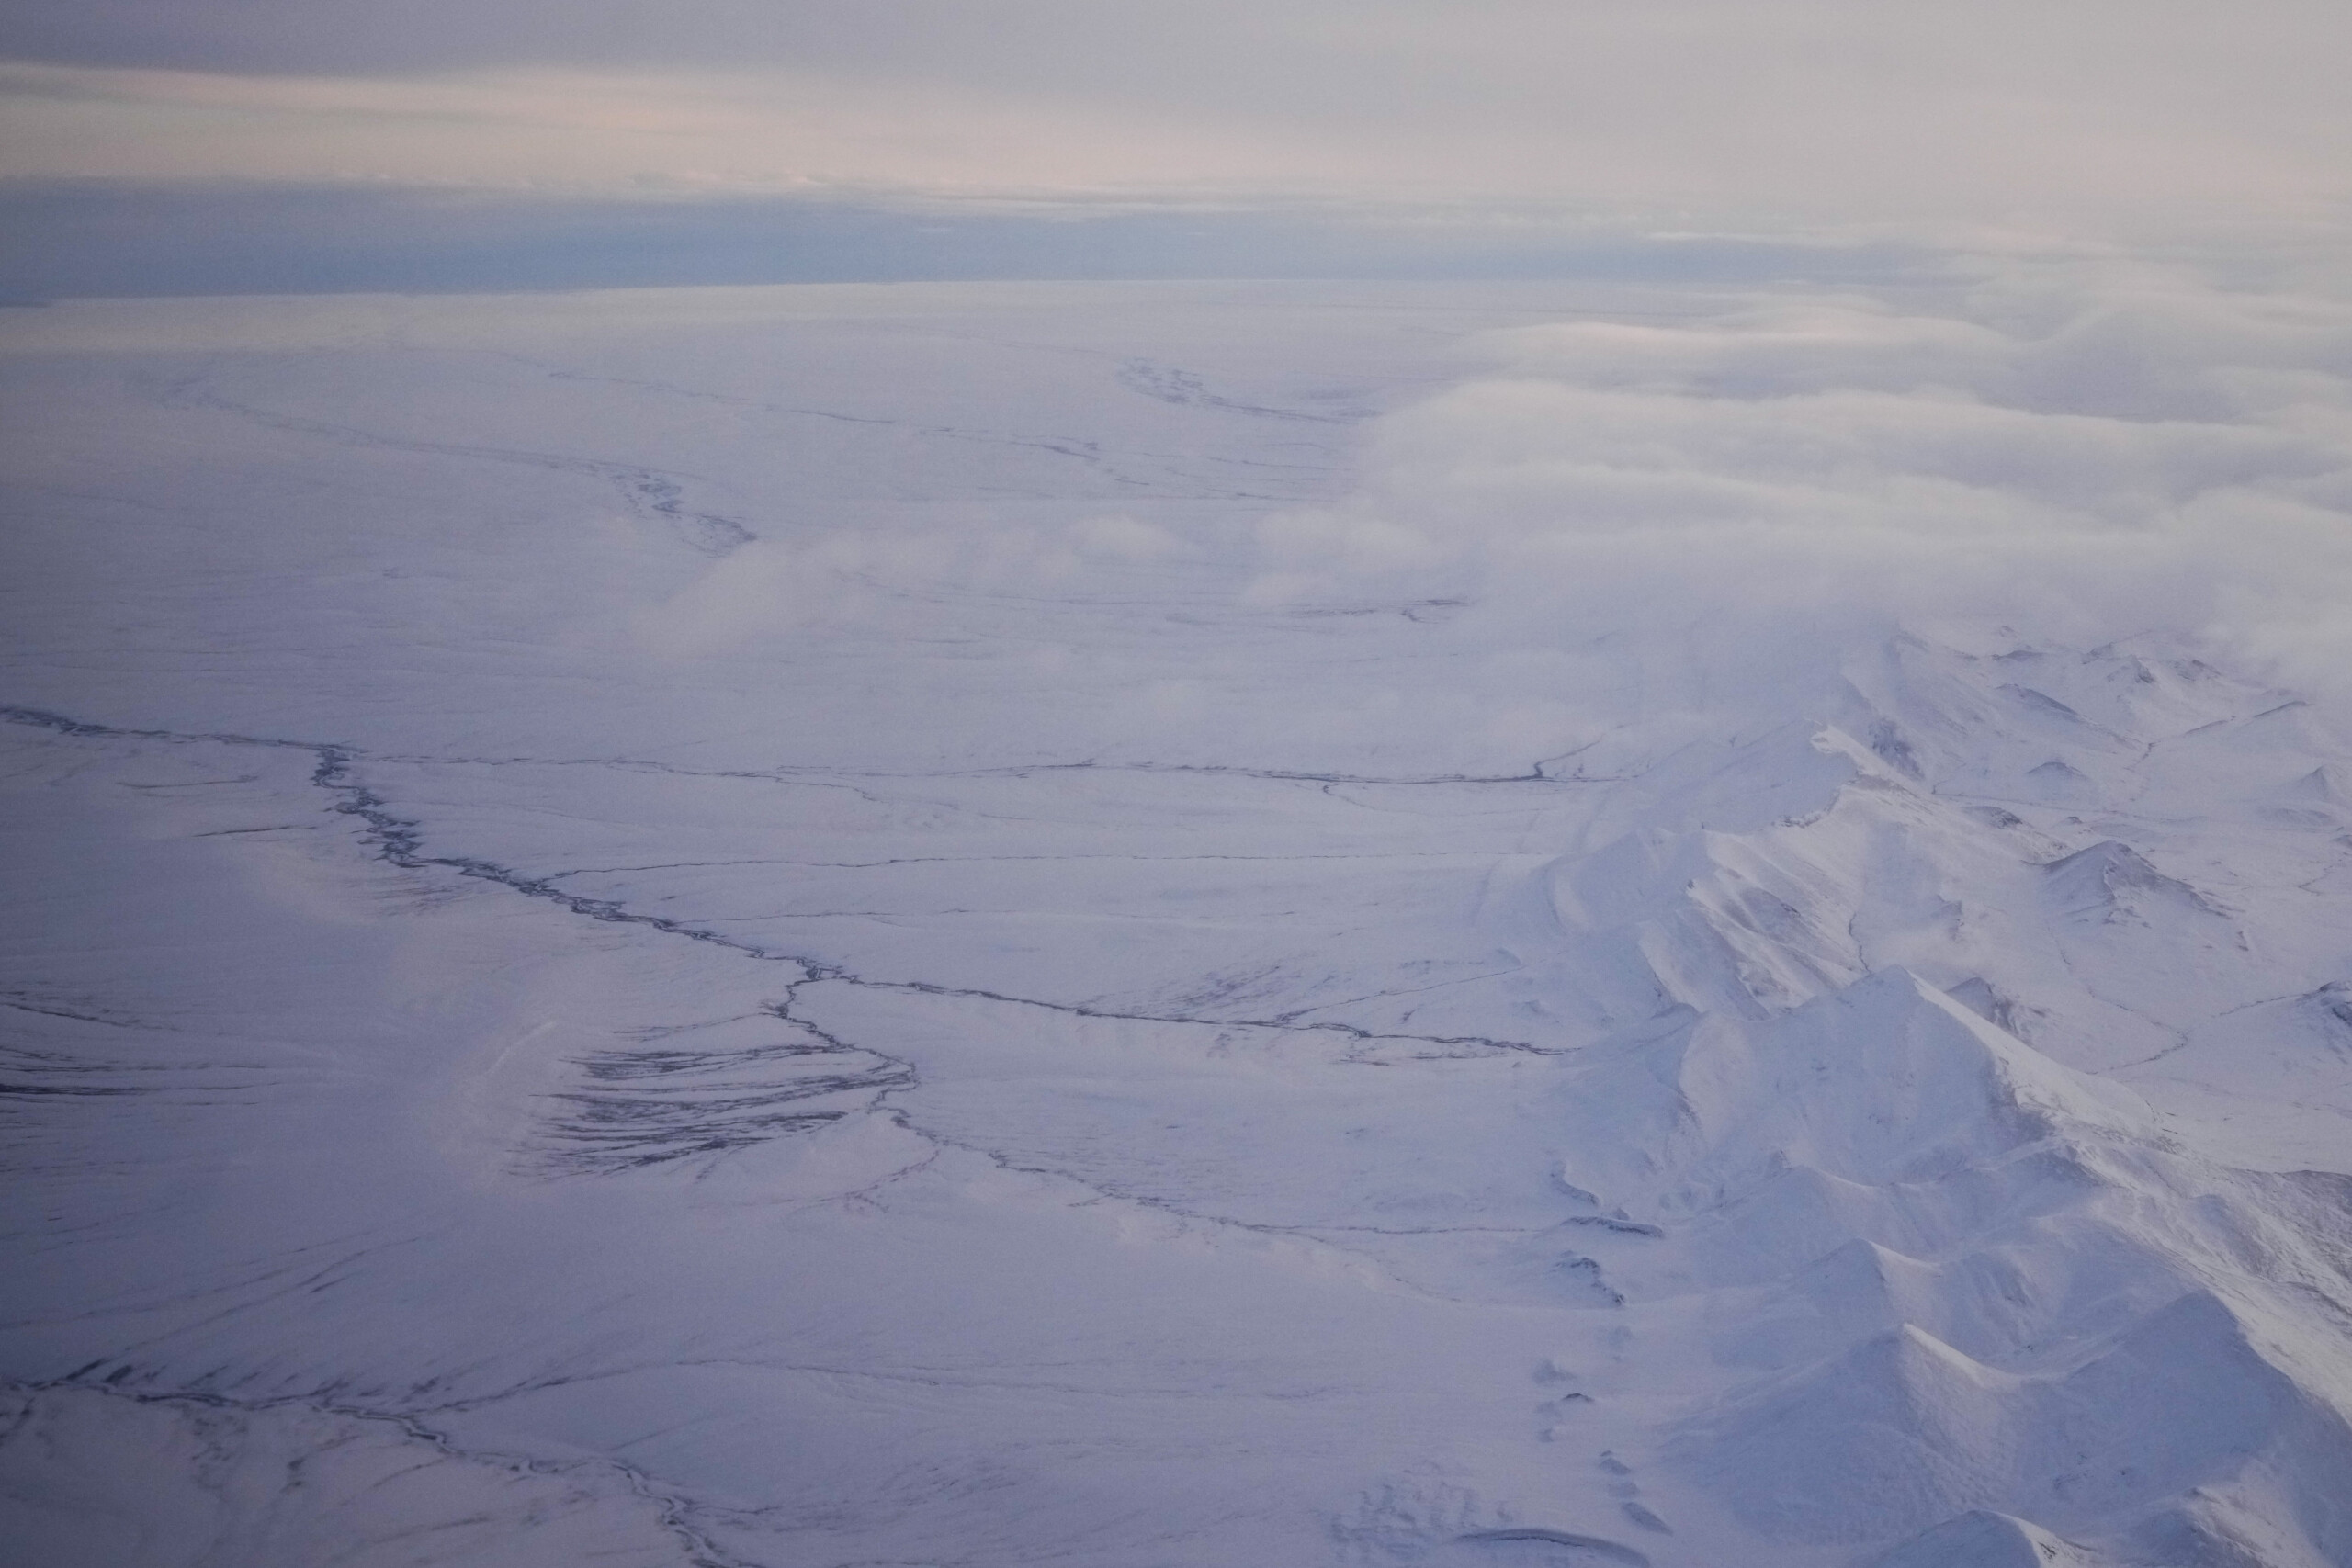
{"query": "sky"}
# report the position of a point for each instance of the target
(1464, 133)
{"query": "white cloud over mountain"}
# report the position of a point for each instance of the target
(2082, 459)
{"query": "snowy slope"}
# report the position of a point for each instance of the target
(1051, 924)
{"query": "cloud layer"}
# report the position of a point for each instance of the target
(2104, 111)
(1665, 526)
(1738, 502)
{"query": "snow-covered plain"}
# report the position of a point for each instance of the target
(1481, 925)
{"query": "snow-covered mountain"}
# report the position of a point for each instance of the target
(1053, 924)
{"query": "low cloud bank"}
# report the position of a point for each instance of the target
(881, 581)
(1726, 505)
(1653, 528)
